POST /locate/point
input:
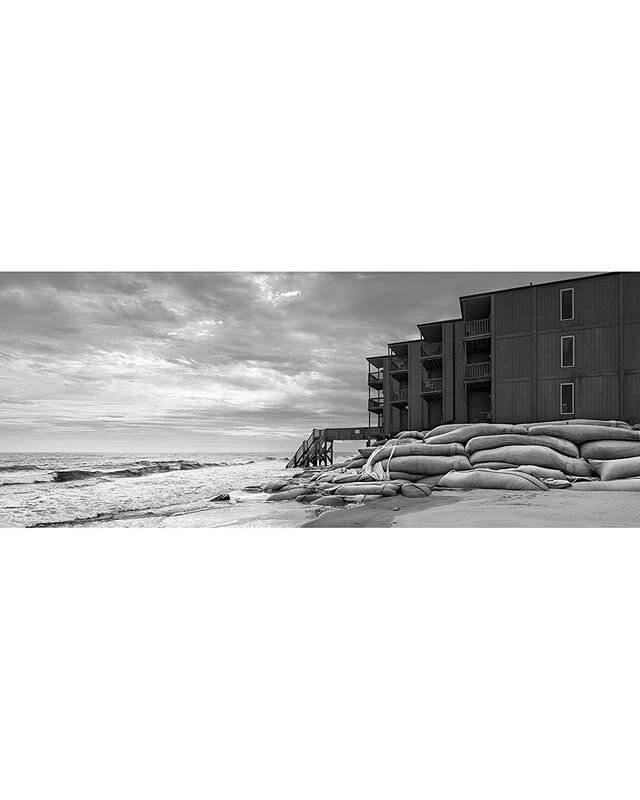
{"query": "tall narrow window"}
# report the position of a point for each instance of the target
(566, 304)
(566, 398)
(567, 351)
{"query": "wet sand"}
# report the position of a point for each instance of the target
(479, 508)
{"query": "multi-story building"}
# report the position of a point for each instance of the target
(560, 350)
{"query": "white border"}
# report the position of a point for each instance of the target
(562, 338)
(573, 399)
(573, 307)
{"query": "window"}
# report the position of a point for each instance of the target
(566, 398)
(566, 304)
(567, 351)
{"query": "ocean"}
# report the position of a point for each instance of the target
(143, 490)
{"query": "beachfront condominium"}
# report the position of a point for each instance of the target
(550, 351)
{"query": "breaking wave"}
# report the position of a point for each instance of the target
(143, 468)
(18, 468)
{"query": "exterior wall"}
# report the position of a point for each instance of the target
(526, 356)
(386, 390)
(448, 373)
(460, 396)
(415, 420)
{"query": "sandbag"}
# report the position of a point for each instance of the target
(502, 440)
(493, 479)
(426, 465)
(430, 480)
(274, 486)
(308, 498)
(621, 485)
(496, 465)
(464, 434)
(536, 455)
(409, 435)
(609, 449)
(383, 489)
(542, 472)
(454, 449)
(365, 452)
(356, 463)
(584, 433)
(347, 479)
(328, 501)
(418, 490)
(445, 429)
(291, 494)
(407, 476)
(608, 423)
(617, 468)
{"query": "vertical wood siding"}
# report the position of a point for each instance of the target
(632, 397)
(415, 420)
(631, 296)
(595, 397)
(513, 401)
(513, 357)
(448, 393)
(596, 351)
(632, 346)
(513, 312)
(595, 303)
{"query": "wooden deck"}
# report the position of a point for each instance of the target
(317, 450)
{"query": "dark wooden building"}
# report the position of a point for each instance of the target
(559, 350)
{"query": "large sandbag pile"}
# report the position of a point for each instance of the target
(586, 455)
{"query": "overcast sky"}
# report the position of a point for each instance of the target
(204, 360)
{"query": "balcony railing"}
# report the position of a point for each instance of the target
(431, 349)
(431, 386)
(399, 396)
(377, 406)
(477, 372)
(375, 378)
(477, 327)
(398, 364)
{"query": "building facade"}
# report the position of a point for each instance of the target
(550, 351)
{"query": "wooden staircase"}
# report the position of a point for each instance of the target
(316, 451)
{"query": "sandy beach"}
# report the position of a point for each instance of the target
(491, 509)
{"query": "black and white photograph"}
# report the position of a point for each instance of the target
(319, 400)
(216, 399)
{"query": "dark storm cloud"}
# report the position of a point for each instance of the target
(205, 355)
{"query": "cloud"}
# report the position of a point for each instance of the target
(195, 360)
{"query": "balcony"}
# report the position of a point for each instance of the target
(376, 406)
(477, 328)
(399, 364)
(432, 386)
(400, 397)
(431, 355)
(477, 372)
(430, 349)
(375, 379)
